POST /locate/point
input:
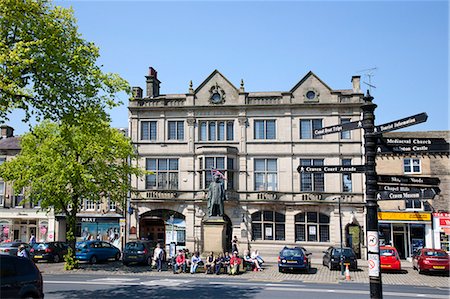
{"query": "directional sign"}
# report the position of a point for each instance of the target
(393, 179)
(427, 193)
(412, 145)
(401, 123)
(331, 169)
(409, 189)
(339, 128)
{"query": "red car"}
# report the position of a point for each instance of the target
(428, 259)
(389, 259)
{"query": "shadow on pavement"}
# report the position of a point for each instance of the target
(185, 291)
(299, 271)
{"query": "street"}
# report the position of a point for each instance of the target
(202, 286)
(112, 279)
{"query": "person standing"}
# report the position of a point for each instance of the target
(32, 240)
(234, 245)
(158, 256)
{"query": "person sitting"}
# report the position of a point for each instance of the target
(235, 261)
(226, 262)
(209, 264)
(188, 256)
(180, 263)
(218, 262)
(258, 260)
(195, 260)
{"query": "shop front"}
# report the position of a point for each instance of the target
(99, 228)
(406, 231)
(23, 228)
(441, 228)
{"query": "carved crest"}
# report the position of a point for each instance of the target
(216, 94)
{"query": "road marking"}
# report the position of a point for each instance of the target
(165, 282)
(114, 279)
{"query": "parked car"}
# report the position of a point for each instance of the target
(138, 252)
(389, 259)
(10, 248)
(95, 251)
(332, 257)
(20, 278)
(294, 258)
(427, 259)
(49, 251)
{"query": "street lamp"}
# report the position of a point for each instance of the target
(341, 258)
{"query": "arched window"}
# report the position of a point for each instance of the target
(312, 227)
(268, 225)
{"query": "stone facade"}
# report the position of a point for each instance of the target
(257, 139)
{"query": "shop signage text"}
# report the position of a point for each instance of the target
(89, 219)
(392, 179)
(332, 169)
(404, 216)
(424, 193)
(401, 123)
(338, 128)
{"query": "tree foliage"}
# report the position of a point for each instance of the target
(60, 165)
(46, 67)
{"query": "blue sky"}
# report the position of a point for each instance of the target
(272, 45)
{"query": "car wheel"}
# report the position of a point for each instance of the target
(56, 259)
(93, 260)
(117, 257)
(330, 266)
(280, 270)
(420, 270)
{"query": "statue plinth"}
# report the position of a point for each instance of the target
(214, 234)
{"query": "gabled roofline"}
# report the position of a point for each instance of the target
(309, 74)
(209, 78)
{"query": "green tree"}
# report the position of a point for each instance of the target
(46, 68)
(82, 157)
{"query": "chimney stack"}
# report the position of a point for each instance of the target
(6, 131)
(137, 92)
(356, 81)
(152, 83)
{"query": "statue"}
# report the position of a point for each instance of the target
(216, 197)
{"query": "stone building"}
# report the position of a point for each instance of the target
(257, 140)
(413, 223)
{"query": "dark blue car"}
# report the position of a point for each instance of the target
(294, 258)
(95, 251)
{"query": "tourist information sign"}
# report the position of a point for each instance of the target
(339, 128)
(331, 169)
(401, 123)
(408, 180)
(424, 193)
(412, 145)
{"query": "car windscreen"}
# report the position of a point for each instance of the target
(40, 246)
(435, 253)
(82, 245)
(347, 252)
(134, 246)
(291, 252)
(387, 252)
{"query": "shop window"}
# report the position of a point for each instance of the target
(5, 232)
(445, 244)
(312, 227)
(384, 231)
(268, 225)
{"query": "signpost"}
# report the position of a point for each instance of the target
(424, 193)
(410, 180)
(401, 123)
(339, 128)
(412, 145)
(332, 169)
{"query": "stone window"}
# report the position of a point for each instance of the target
(164, 174)
(411, 165)
(266, 176)
(175, 130)
(265, 129)
(307, 128)
(312, 181)
(148, 130)
(345, 134)
(312, 227)
(268, 225)
(216, 130)
(225, 165)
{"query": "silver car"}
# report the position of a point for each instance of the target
(10, 248)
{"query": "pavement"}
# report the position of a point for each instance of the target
(318, 274)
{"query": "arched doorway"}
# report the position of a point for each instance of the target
(163, 226)
(353, 238)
